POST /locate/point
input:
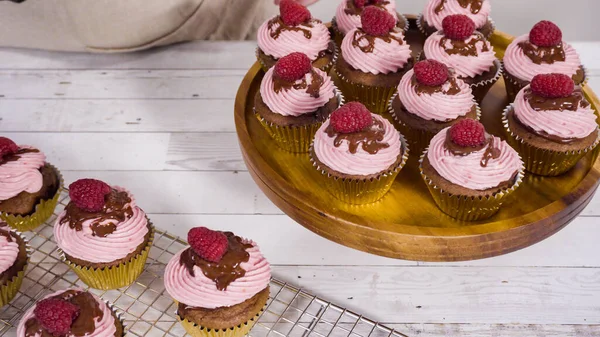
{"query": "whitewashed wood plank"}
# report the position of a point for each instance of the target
(204, 151)
(496, 330)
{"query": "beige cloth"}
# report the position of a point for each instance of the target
(127, 25)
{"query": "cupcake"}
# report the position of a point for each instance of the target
(294, 100)
(29, 186)
(294, 30)
(437, 10)
(467, 51)
(71, 312)
(347, 16)
(374, 58)
(469, 172)
(431, 98)
(220, 283)
(359, 154)
(13, 261)
(541, 52)
(551, 124)
(103, 235)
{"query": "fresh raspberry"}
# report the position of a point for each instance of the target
(468, 133)
(210, 245)
(293, 13)
(458, 27)
(351, 117)
(56, 315)
(545, 34)
(377, 21)
(431, 73)
(7, 147)
(293, 67)
(552, 85)
(360, 3)
(88, 194)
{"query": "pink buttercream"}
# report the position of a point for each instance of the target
(347, 22)
(200, 291)
(22, 175)
(465, 66)
(294, 41)
(466, 171)
(296, 102)
(523, 68)
(117, 245)
(105, 327)
(452, 7)
(564, 124)
(387, 57)
(8, 251)
(361, 163)
(438, 106)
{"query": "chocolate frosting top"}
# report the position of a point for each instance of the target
(475, 5)
(539, 55)
(313, 89)
(360, 35)
(283, 27)
(15, 156)
(464, 48)
(490, 153)
(370, 139)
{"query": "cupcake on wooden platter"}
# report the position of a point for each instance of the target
(14, 257)
(551, 124)
(220, 283)
(430, 21)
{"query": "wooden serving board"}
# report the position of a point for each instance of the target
(406, 223)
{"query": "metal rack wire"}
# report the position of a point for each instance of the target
(149, 311)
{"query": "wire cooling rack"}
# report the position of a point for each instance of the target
(149, 311)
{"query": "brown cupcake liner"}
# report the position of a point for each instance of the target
(423, 29)
(10, 288)
(374, 98)
(325, 68)
(543, 162)
(468, 208)
(239, 330)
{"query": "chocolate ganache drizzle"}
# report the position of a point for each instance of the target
(475, 5)
(539, 55)
(430, 90)
(370, 139)
(570, 103)
(352, 9)
(225, 271)
(7, 235)
(15, 156)
(312, 89)
(360, 35)
(283, 27)
(490, 151)
(464, 48)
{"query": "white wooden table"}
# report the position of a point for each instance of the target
(161, 124)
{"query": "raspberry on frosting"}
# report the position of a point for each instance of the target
(293, 67)
(545, 34)
(208, 244)
(431, 73)
(467, 133)
(89, 194)
(363, 3)
(458, 27)
(293, 13)
(7, 147)
(552, 85)
(56, 315)
(377, 21)
(351, 117)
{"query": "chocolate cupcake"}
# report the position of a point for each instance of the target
(551, 124)
(542, 51)
(469, 172)
(430, 21)
(294, 30)
(14, 257)
(431, 98)
(467, 51)
(72, 312)
(220, 283)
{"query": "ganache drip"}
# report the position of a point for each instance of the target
(371, 139)
(547, 55)
(313, 89)
(460, 47)
(283, 27)
(490, 153)
(360, 35)
(475, 5)
(16, 156)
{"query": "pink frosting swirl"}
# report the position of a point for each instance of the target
(296, 102)
(387, 57)
(22, 175)
(523, 68)
(290, 41)
(104, 327)
(467, 171)
(564, 124)
(347, 22)
(452, 7)
(465, 66)
(361, 163)
(8, 250)
(117, 245)
(200, 291)
(438, 106)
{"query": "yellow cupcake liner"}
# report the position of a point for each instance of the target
(113, 277)
(424, 31)
(9, 290)
(543, 162)
(326, 68)
(43, 210)
(514, 85)
(374, 98)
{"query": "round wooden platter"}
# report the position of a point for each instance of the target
(406, 224)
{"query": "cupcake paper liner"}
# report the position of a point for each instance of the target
(118, 313)
(422, 28)
(468, 208)
(374, 98)
(43, 210)
(9, 289)
(543, 162)
(325, 68)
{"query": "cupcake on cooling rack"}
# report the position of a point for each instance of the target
(220, 283)
(551, 124)
(103, 235)
(72, 312)
(430, 21)
(359, 154)
(348, 13)
(294, 100)
(294, 30)
(542, 51)
(373, 60)
(467, 51)
(13, 261)
(469, 172)
(29, 186)
(431, 98)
